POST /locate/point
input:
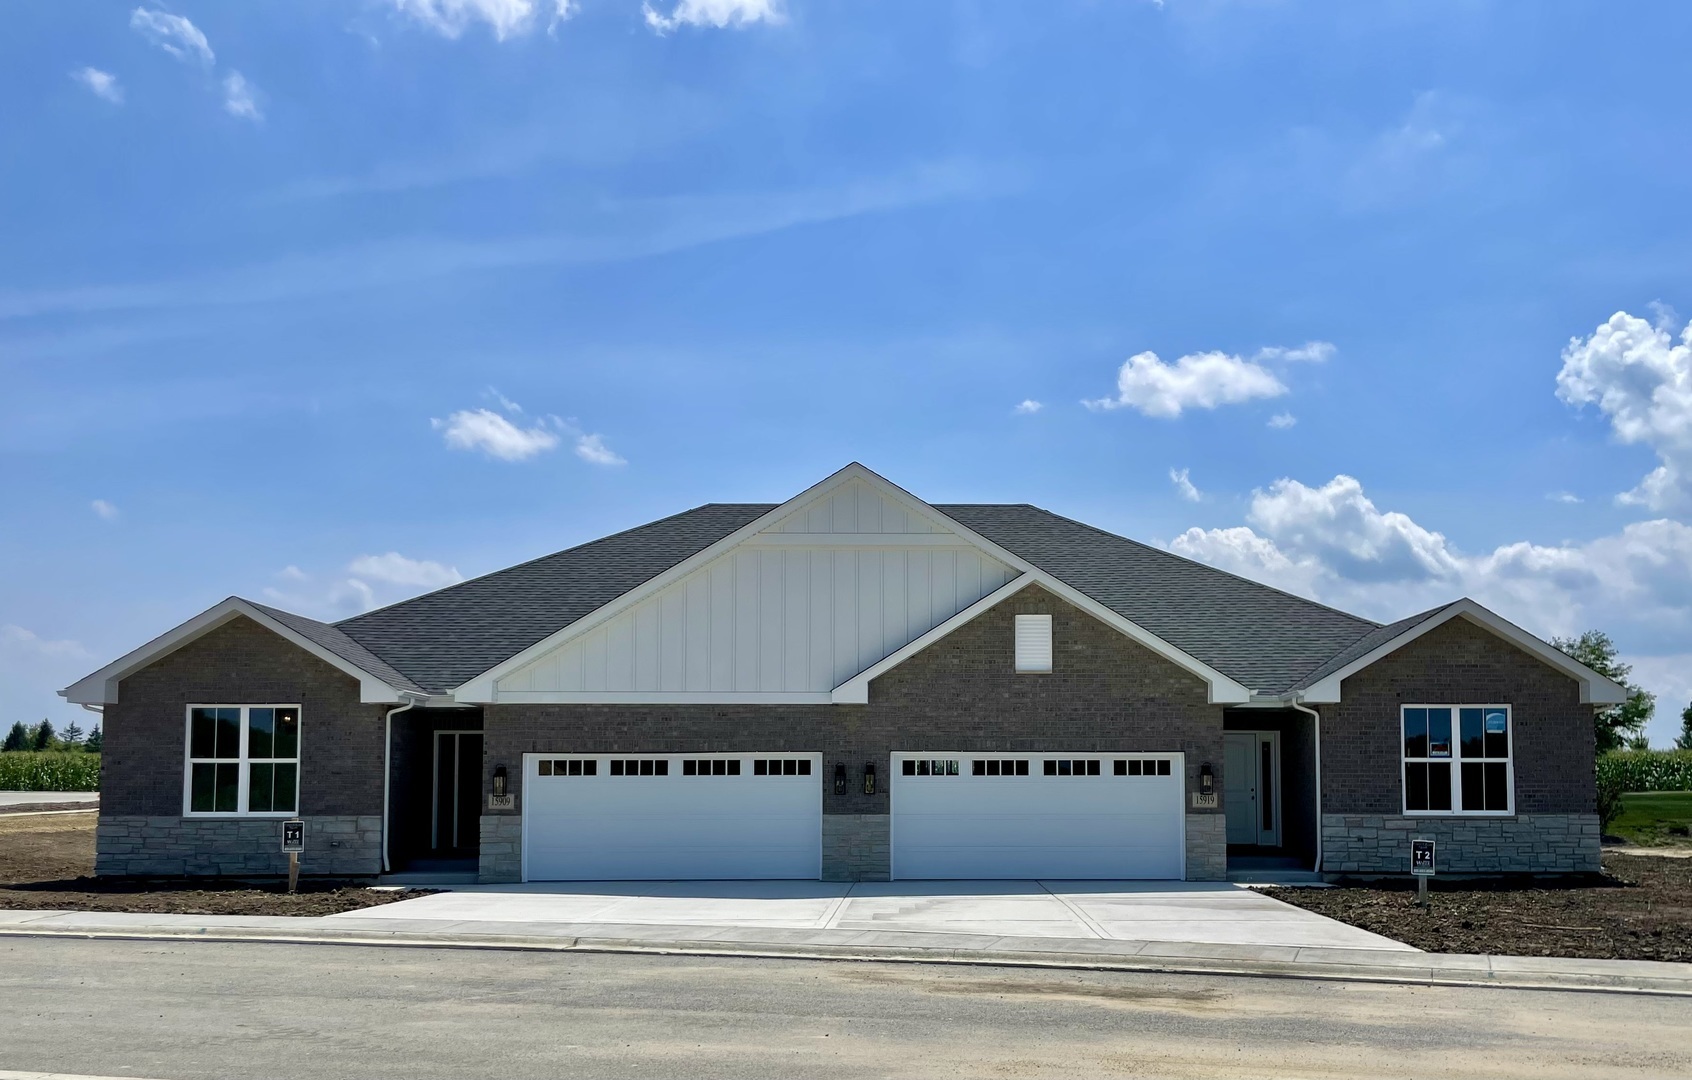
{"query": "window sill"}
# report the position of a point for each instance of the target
(1458, 813)
(267, 815)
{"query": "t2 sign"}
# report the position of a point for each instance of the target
(1422, 858)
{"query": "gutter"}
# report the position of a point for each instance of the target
(1316, 730)
(412, 701)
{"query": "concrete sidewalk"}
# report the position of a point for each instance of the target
(47, 798)
(1097, 954)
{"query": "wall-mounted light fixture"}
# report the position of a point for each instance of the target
(1207, 779)
(840, 778)
(499, 780)
(869, 778)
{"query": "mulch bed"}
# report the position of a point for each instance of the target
(1640, 908)
(48, 862)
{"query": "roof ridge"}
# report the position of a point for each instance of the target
(1370, 623)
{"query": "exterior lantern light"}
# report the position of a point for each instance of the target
(840, 778)
(1207, 779)
(499, 780)
(869, 778)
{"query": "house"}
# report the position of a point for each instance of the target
(852, 685)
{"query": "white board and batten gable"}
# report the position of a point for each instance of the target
(786, 614)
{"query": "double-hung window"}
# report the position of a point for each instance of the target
(243, 759)
(1457, 759)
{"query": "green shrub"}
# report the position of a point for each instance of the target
(1647, 770)
(1610, 792)
(50, 771)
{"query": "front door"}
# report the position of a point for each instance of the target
(1251, 783)
(456, 825)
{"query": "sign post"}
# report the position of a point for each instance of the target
(293, 842)
(1422, 866)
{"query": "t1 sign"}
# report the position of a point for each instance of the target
(293, 835)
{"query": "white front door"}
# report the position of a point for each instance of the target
(609, 817)
(1048, 815)
(1251, 781)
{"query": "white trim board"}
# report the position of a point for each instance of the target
(101, 688)
(1595, 689)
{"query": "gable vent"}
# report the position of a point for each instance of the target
(1033, 643)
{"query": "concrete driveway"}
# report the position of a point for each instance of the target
(1204, 912)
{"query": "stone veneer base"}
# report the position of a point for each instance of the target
(1524, 844)
(855, 847)
(502, 849)
(233, 847)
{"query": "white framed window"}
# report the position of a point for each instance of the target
(242, 759)
(1457, 759)
(1034, 643)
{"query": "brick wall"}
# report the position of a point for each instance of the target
(1105, 693)
(239, 663)
(1458, 663)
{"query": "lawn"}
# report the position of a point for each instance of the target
(1640, 908)
(48, 862)
(1653, 818)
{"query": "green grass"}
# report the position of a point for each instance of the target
(1648, 817)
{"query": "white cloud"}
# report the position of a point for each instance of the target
(106, 510)
(396, 569)
(714, 13)
(172, 33)
(238, 97)
(18, 642)
(494, 435)
(1183, 483)
(592, 448)
(1196, 381)
(504, 18)
(103, 83)
(1641, 379)
(1564, 497)
(1282, 421)
(1311, 352)
(1029, 407)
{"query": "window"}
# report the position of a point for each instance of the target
(1072, 767)
(574, 767)
(1457, 759)
(930, 767)
(999, 767)
(639, 767)
(780, 767)
(1142, 767)
(1034, 643)
(243, 759)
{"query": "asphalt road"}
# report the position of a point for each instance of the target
(178, 1011)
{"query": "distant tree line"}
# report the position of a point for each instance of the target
(42, 736)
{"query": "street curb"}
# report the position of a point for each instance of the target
(1433, 975)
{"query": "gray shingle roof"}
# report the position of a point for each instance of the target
(1367, 644)
(445, 638)
(1262, 637)
(337, 642)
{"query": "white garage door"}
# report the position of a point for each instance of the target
(1037, 816)
(605, 817)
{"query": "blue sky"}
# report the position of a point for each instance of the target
(325, 302)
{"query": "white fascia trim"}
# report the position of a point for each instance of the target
(101, 688)
(658, 697)
(482, 688)
(1221, 689)
(1595, 689)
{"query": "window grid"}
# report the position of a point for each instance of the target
(575, 767)
(1457, 759)
(929, 767)
(781, 767)
(1071, 767)
(1141, 767)
(242, 760)
(999, 767)
(640, 767)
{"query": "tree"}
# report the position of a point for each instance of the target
(72, 735)
(1684, 740)
(17, 738)
(95, 741)
(43, 739)
(1616, 725)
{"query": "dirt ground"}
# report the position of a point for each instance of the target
(1640, 908)
(48, 862)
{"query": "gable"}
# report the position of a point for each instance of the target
(815, 595)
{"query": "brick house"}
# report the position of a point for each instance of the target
(852, 685)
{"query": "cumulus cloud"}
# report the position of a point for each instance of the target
(396, 569)
(1282, 421)
(103, 84)
(1196, 381)
(18, 642)
(714, 13)
(592, 449)
(495, 436)
(1640, 377)
(1184, 484)
(1332, 543)
(104, 509)
(367, 582)
(172, 33)
(238, 99)
(1028, 407)
(503, 18)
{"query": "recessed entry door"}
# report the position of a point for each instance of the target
(1251, 783)
(611, 817)
(1048, 815)
(456, 823)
